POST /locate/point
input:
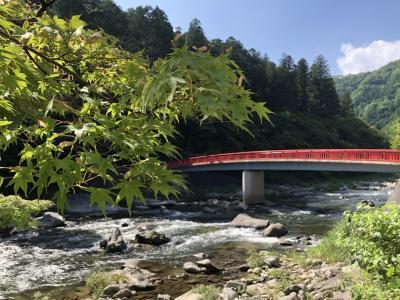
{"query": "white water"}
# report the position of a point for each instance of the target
(65, 256)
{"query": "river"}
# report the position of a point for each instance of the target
(56, 262)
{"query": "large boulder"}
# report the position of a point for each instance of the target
(115, 242)
(244, 220)
(275, 230)
(152, 238)
(138, 279)
(51, 220)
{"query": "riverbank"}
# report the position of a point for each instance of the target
(57, 262)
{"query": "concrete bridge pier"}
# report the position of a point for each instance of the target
(253, 187)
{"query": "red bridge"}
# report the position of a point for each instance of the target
(253, 164)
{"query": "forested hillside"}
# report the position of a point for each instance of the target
(307, 110)
(375, 95)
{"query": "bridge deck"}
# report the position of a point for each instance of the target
(353, 160)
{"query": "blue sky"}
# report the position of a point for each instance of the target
(354, 35)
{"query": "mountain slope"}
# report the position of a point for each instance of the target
(376, 94)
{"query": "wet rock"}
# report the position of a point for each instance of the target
(209, 210)
(275, 230)
(111, 290)
(103, 244)
(285, 243)
(189, 296)
(200, 255)
(124, 225)
(208, 264)
(238, 286)
(51, 220)
(115, 242)
(71, 223)
(243, 268)
(146, 227)
(193, 268)
(244, 220)
(228, 294)
(368, 203)
(124, 293)
(152, 238)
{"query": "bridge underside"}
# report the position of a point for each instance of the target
(253, 172)
(333, 166)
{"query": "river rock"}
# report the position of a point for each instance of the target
(111, 290)
(189, 296)
(244, 220)
(152, 238)
(193, 268)
(228, 294)
(293, 289)
(243, 268)
(200, 255)
(209, 210)
(236, 285)
(272, 262)
(115, 242)
(369, 203)
(208, 264)
(138, 279)
(275, 230)
(51, 220)
(163, 297)
(124, 293)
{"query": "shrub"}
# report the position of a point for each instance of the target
(97, 281)
(15, 211)
(207, 292)
(372, 237)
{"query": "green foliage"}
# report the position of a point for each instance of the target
(295, 94)
(97, 281)
(373, 291)
(15, 211)
(392, 131)
(207, 292)
(84, 110)
(255, 259)
(372, 237)
(375, 95)
(290, 130)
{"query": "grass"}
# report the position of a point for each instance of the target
(97, 281)
(255, 259)
(207, 292)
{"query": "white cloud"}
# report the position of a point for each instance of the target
(371, 57)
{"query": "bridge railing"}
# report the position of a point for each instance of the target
(382, 155)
